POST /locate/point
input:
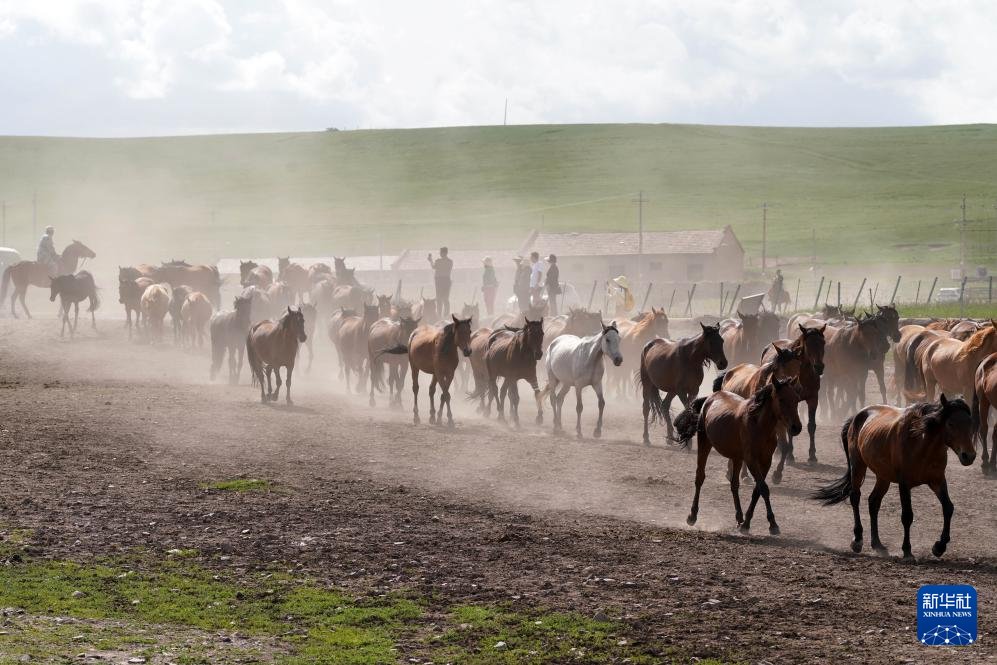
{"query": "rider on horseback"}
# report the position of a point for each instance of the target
(46, 251)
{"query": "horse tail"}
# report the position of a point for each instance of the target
(975, 416)
(94, 300)
(481, 388)
(252, 359)
(913, 379)
(6, 282)
(376, 367)
(718, 383)
(841, 489)
(397, 349)
(217, 350)
(642, 379)
(688, 422)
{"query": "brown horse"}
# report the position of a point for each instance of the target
(352, 296)
(253, 274)
(513, 355)
(676, 368)
(426, 310)
(309, 311)
(352, 344)
(71, 289)
(295, 276)
(387, 333)
(228, 334)
(130, 295)
(31, 273)
(634, 335)
(744, 431)
(177, 299)
(810, 346)
(332, 330)
(384, 305)
(434, 350)
(985, 397)
(850, 353)
(155, 304)
(906, 446)
(479, 369)
(747, 379)
(741, 339)
(195, 314)
(201, 278)
(950, 365)
(271, 345)
(907, 354)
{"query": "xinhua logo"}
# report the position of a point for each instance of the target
(946, 614)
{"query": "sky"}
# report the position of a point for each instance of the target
(141, 68)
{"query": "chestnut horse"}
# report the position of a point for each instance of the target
(295, 276)
(985, 397)
(155, 304)
(332, 330)
(130, 295)
(201, 278)
(195, 312)
(433, 350)
(906, 446)
(741, 339)
(950, 365)
(271, 345)
(352, 345)
(850, 353)
(513, 355)
(253, 274)
(676, 368)
(633, 336)
(31, 273)
(744, 431)
(71, 289)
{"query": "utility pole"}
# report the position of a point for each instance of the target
(813, 247)
(34, 216)
(962, 239)
(4, 240)
(995, 229)
(505, 112)
(640, 201)
(765, 223)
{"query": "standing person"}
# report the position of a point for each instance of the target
(489, 285)
(551, 282)
(536, 278)
(442, 268)
(621, 296)
(521, 284)
(46, 251)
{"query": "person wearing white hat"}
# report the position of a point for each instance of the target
(46, 251)
(489, 285)
(620, 294)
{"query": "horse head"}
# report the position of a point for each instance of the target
(294, 320)
(714, 342)
(813, 346)
(784, 399)
(533, 334)
(462, 334)
(610, 343)
(950, 422)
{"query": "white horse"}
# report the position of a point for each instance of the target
(576, 362)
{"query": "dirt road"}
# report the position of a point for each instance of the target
(105, 444)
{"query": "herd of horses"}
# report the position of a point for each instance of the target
(767, 365)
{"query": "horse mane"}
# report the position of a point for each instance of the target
(975, 342)
(923, 417)
(448, 341)
(757, 403)
(642, 325)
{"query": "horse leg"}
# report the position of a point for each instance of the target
(983, 410)
(432, 400)
(993, 449)
(941, 490)
(276, 393)
(666, 410)
(786, 451)
(24, 304)
(906, 518)
(500, 396)
(703, 450)
(875, 501)
(755, 494)
(536, 398)
(855, 497)
(735, 487)
(514, 401)
(270, 394)
(646, 410)
(445, 384)
(764, 488)
(415, 395)
(578, 412)
(76, 317)
(811, 429)
(287, 394)
(878, 371)
(602, 407)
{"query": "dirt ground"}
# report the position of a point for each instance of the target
(105, 443)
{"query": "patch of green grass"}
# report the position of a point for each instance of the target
(239, 485)
(950, 310)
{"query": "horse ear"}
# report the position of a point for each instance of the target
(944, 401)
(823, 328)
(703, 326)
(802, 329)
(455, 319)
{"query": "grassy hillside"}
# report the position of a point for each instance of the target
(872, 194)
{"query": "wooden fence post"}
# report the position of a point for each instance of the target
(723, 299)
(917, 295)
(797, 304)
(692, 293)
(820, 287)
(896, 288)
(595, 283)
(990, 290)
(733, 301)
(874, 294)
(858, 295)
(962, 294)
(872, 300)
(931, 291)
(671, 301)
(647, 294)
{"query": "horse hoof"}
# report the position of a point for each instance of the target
(540, 420)
(908, 558)
(812, 461)
(744, 527)
(371, 402)
(776, 478)
(647, 441)
(415, 421)
(597, 434)
(691, 520)
(881, 550)
(856, 546)
(938, 549)
(773, 530)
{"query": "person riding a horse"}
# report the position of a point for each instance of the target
(46, 251)
(777, 282)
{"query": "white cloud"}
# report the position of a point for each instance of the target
(434, 62)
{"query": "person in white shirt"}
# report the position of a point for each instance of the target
(536, 277)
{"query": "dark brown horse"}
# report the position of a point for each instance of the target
(434, 350)
(850, 353)
(310, 313)
(904, 446)
(130, 295)
(294, 276)
(253, 274)
(741, 339)
(271, 345)
(31, 273)
(71, 290)
(201, 278)
(479, 369)
(810, 346)
(387, 333)
(228, 334)
(178, 297)
(744, 431)
(332, 330)
(676, 368)
(513, 355)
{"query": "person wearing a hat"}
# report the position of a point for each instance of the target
(552, 285)
(442, 267)
(521, 283)
(46, 251)
(621, 295)
(489, 285)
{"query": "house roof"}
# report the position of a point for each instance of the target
(415, 259)
(704, 241)
(361, 263)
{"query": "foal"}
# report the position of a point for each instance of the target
(744, 431)
(71, 289)
(907, 446)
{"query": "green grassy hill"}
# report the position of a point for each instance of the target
(872, 195)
